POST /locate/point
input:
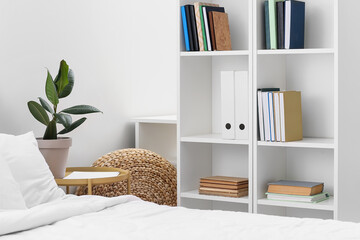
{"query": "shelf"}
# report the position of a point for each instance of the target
(214, 53)
(296, 51)
(169, 119)
(213, 138)
(324, 143)
(324, 205)
(194, 194)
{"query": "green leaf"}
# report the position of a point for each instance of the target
(46, 106)
(81, 109)
(68, 88)
(50, 132)
(38, 112)
(50, 90)
(64, 119)
(73, 126)
(61, 80)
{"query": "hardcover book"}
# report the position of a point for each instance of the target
(185, 28)
(296, 187)
(294, 24)
(222, 31)
(280, 7)
(208, 27)
(190, 34)
(193, 28)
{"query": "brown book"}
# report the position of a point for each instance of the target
(212, 33)
(224, 186)
(241, 194)
(221, 31)
(290, 107)
(296, 188)
(223, 190)
(224, 180)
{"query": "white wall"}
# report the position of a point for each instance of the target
(123, 54)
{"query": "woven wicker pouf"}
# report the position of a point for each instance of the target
(153, 178)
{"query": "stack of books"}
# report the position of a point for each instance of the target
(297, 191)
(224, 186)
(279, 115)
(206, 27)
(284, 24)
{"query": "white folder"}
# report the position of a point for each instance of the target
(241, 105)
(227, 105)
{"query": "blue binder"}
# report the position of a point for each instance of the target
(185, 27)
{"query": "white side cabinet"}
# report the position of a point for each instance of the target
(157, 134)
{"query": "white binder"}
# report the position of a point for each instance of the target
(241, 105)
(227, 105)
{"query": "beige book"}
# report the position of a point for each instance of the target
(241, 194)
(222, 31)
(291, 116)
(198, 22)
(224, 180)
(224, 186)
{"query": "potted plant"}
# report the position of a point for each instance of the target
(55, 149)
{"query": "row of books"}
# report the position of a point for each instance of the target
(297, 191)
(279, 115)
(284, 24)
(206, 27)
(224, 186)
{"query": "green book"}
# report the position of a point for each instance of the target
(273, 23)
(203, 27)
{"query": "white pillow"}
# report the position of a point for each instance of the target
(10, 195)
(29, 169)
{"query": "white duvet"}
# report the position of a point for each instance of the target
(127, 217)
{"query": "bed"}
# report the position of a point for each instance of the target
(127, 217)
(32, 206)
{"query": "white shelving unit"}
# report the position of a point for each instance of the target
(158, 134)
(327, 75)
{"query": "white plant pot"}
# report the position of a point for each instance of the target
(56, 154)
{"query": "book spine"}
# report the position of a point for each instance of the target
(203, 28)
(280, 24)
(272, 24)
(187, 11)
(185, 28)
(198, 26)
(267, 27)
(212, 32)
(206, 24)
(193, 27)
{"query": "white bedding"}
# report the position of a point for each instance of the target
(126, 217)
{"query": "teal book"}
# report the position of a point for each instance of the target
(273, 23)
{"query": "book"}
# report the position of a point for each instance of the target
(271, 116)
(212, 33)
(295, 187)
(224, 180)
(208, 29)
(222, 31)
(207, 32)
(280, 9)
(193, 28)
(291, 116)
(198, 22)
(187, 12)
(298, 198)
(277, 116)
(273, 24)
(267, 26)
(224, 186)
(185, 28)
(294, 24)
(261, 111)
(219, 190)
(237, 195)
(203, 28)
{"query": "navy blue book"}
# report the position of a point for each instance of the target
(294, 24)
(187, 11)
(185, 28)
(267, 26)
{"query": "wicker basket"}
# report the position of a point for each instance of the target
(153, 178)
